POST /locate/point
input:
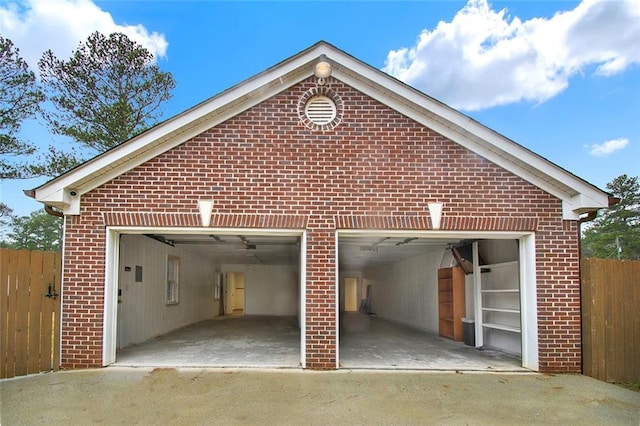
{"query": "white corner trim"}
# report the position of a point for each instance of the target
(581, 203)
(529, 302)
(568, 211)
(61, 285)
(303, 299)
(110, 326)
(62, 199)
(73, 208)
(337, 298)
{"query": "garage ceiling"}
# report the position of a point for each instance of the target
(239, 249)
(355, 252)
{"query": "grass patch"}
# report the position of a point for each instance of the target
(631, 386)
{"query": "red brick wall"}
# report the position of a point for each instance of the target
(376, 162)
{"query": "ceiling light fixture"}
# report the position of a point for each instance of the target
(322, 71)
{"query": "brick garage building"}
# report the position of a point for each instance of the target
(323, 195)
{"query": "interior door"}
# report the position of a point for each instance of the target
(239, 297)
(351, 294)
(228, 292)
(234, 293)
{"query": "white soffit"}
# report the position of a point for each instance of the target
(577, 195)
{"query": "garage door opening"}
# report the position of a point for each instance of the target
(207, 300)
(455, 302)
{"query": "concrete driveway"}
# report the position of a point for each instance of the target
(196, 396)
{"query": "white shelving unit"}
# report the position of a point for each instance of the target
(498, 306)
(501, 327)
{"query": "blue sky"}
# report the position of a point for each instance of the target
(561, 78)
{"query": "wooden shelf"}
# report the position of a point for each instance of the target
(502, 327)
(499, 265)
(451, 306)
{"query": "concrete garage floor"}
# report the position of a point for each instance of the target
(123, 396)
(233, 341)
(372, 342)
(256, 341)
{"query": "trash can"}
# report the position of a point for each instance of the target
(469, 331)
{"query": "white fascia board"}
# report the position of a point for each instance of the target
(62, 199)
(179, 129)
(581, 203)
(139, 150)
(415, 105)
(475, 137)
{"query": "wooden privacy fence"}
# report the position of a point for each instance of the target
(29, 312)
(611, 319)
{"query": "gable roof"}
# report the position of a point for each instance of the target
(577, 195)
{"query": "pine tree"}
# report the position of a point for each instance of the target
(19, 100)
(109, 91)
(615, 233)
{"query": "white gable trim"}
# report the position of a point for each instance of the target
(577, 195)
(166, 136)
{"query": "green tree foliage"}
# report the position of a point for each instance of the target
(38, 231)
(19, 100)
(6, 213)
(107, 92)
(6, 216)
(615, 233)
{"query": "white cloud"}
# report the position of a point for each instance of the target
(37, 25)
(606, 148)
(484, 58)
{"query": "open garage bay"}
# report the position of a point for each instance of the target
(372, 342)
(236, 341)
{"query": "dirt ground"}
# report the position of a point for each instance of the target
(219, 396)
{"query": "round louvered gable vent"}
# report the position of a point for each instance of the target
(320, 110)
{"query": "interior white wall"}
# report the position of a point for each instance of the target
(269, 289)
(498, 251)
(143, 312)
(469, 295)
(407, 291)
